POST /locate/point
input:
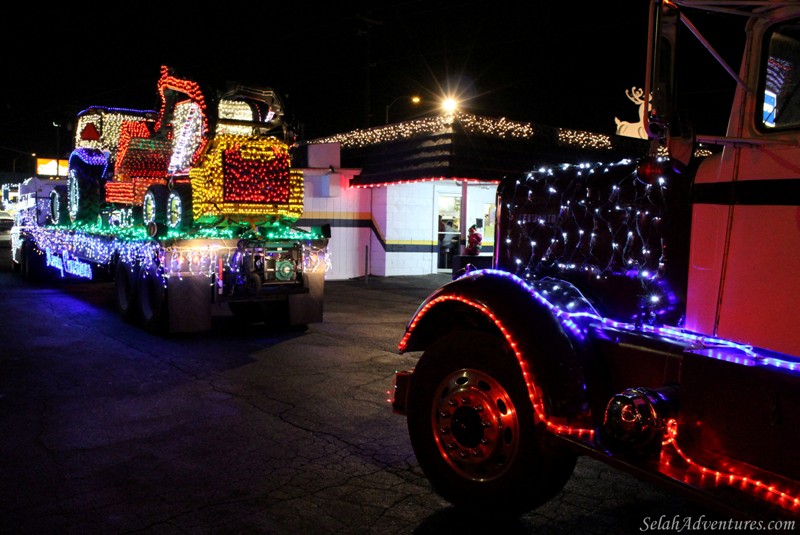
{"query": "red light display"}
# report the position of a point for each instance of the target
(256, 180)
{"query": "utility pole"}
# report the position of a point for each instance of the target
(368, 66)
(57, 125)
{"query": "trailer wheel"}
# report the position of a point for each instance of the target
(472, 428)
(83, 191)
(154, 209)
(59, 205)
(126, 279)
(179, 207)
(152, 300)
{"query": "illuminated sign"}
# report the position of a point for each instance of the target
(51, 167)
(65, 264)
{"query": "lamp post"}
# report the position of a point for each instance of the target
(57, 125)
(414, 99)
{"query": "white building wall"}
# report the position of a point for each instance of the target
(410, 234)
(385, 230)
(328, 198)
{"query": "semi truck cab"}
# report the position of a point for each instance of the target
(639, 311)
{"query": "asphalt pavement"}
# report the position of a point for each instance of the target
(106, 429)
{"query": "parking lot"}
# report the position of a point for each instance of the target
(107, 429)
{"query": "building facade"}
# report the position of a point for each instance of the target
(389, 192)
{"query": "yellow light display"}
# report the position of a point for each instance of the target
(246, 178)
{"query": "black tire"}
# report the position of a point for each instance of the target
(471, 424)
(152, 300)
(126, 279)
(33, 263)
(179, 207)
(59, 206)
(84, 190)
(154, 208)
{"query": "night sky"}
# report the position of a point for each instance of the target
(338, 65)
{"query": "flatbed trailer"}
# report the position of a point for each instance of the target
(184, 208)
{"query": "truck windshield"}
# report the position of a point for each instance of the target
(780, 78)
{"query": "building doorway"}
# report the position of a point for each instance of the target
(449, 233)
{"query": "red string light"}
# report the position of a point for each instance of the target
(759, 488)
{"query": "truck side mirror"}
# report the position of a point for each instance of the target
(657, 170)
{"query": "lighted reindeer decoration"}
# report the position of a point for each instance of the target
(625, 128)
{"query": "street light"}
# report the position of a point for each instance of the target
(414, 99)
(449, 105)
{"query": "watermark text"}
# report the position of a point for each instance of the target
(679, 524)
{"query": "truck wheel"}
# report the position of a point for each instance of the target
(154, 208)
(59, 205)
(179, 207)
(126, 279)
(471, 425)
(152, 300)
(83, 192)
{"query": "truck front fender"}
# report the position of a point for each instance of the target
(548, 345)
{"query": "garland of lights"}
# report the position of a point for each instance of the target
(472, 124)
(175, 256)
(768, 491)
(500, 128)
(420, 180)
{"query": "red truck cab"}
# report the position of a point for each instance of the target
(637, 311)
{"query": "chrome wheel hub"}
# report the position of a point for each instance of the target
(475, 425)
